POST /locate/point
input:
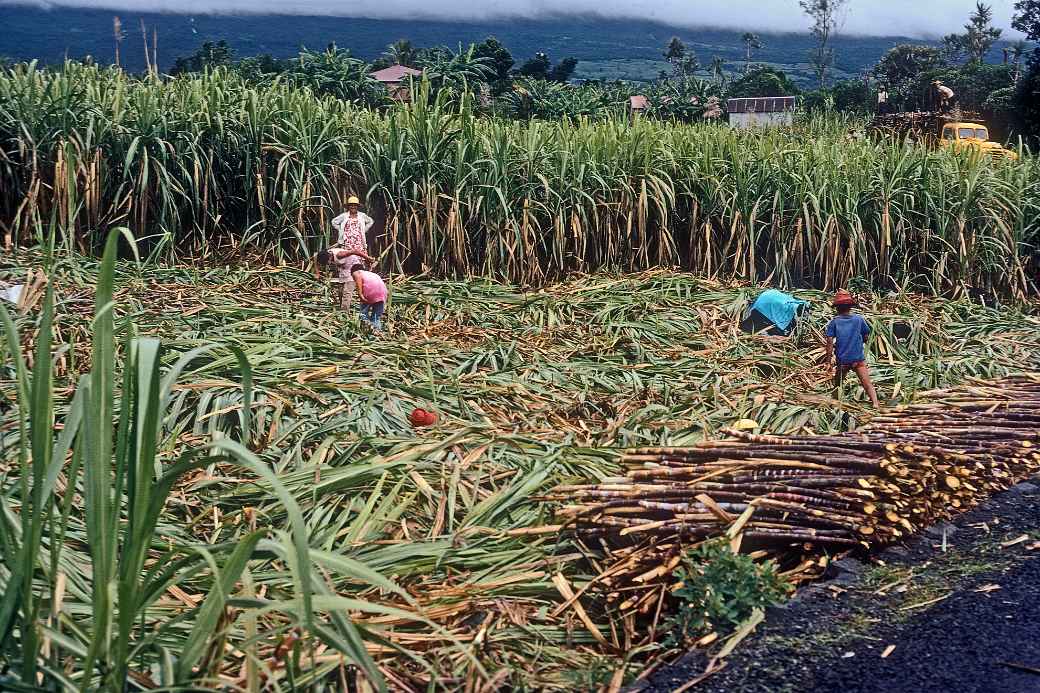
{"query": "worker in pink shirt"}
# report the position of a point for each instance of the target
(341, 261)
(372, 290)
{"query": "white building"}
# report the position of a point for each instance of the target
(763, 111)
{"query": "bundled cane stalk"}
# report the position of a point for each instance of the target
(791, 494)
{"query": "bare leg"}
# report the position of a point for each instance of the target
(839, 376)
(864, 378)
(346, 296)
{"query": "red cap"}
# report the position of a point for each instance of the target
(843, 298)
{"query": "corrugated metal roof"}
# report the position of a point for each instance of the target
(762, 104)
(395, 73)
(638, 102)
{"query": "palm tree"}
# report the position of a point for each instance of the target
(1017, 50)
(751, 41)
(335, 72)
(717, 69)
(455, 71)
(402, 52)
(117, 31)
(687, 101)
(684, 63)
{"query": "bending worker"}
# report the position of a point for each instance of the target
(943, 95)
(774, 313)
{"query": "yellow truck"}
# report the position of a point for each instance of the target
(959, 131)
(968, 135)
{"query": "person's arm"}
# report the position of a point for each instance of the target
(829, 333)
(360, 284)
(337, 227)
(360, 252)
(865, 330)
(366, 223)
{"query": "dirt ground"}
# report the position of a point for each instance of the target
(956, 610)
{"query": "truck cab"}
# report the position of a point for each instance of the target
(972, 136)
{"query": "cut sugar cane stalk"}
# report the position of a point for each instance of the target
(905, 470)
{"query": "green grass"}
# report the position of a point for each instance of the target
(886, 591)
(901, 588)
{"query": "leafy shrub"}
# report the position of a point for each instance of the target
(762, 81)
(1001, 101)
(720, 590)
(1027, 98)
(849, 96)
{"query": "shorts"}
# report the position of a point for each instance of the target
(851, 366)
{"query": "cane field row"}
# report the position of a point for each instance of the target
(208, 479)
(210, 167)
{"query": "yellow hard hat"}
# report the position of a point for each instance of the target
(353, 200)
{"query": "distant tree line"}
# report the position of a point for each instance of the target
(489, 63)
(536, 88)
(689, 90)
(1008, 92)
(1025, 94)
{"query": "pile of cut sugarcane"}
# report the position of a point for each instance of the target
(901, 472)
(919, 123)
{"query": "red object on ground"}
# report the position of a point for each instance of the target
(421, 417)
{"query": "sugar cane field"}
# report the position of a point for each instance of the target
(210, 480)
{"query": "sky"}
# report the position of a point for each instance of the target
(918, 18)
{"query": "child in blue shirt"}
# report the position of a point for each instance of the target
(846, 335)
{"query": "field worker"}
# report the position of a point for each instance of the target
(372, 293)
(351, 235)
(882, 101)
(846, 335)
(338, 258)
(943, 95)
(774, 313)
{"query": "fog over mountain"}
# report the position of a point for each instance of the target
(923, 18)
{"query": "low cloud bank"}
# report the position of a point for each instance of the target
(922, 18)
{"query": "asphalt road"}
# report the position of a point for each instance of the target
(962, 620)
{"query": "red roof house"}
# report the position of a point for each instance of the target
(395, 78)
(395, 73)
(637, 104)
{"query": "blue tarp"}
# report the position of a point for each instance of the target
(779, 307)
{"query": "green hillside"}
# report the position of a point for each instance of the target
(606, 49)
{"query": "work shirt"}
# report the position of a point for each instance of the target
(344, 261)
(373, 289)
(778, 307)
(351, 230)
(848, 332)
